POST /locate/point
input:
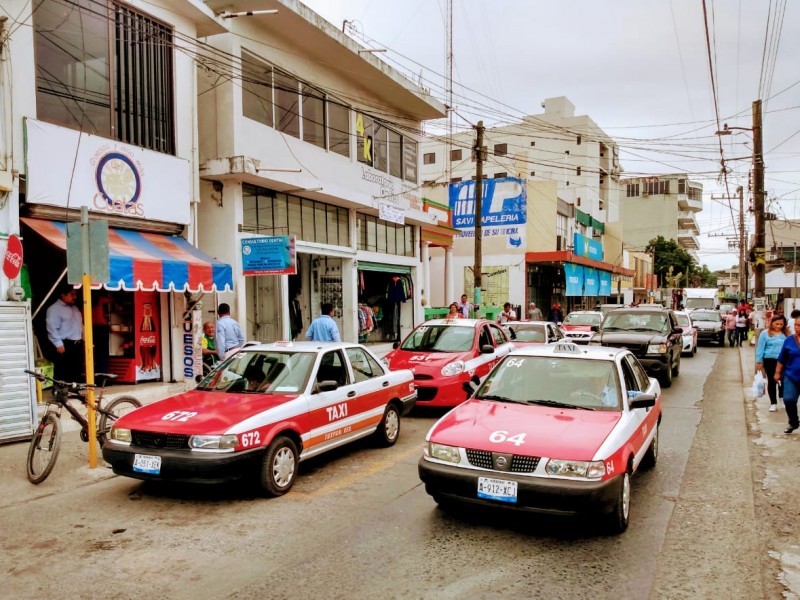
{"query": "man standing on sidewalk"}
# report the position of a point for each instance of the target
(65, 332)
(323, 328)
(228, 335)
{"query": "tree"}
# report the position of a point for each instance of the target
(670, 261)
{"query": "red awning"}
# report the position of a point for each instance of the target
(559, 257)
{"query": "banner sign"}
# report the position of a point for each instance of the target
(12, 263)
(605, 283)
(269, 255)
(108, 177)
(585, 246)
(504, 209)
(591, 283)
(573, 274)
(391, 212)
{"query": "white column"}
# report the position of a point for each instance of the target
(448, 276)
(426, 272)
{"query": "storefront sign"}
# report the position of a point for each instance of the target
(573, 274)
(504, 209)
(269, 255)
(605, 283)
(192, 328)
(584, 246)
(70, 169)
(391, 212)
(12, 263)
(591, 284)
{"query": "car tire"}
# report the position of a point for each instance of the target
(666, 378)
(694, 349)
(389, 428)
(650, 457)
(676, 366)
(618, 518)
(279, 469)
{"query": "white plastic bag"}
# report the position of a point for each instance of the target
(759, 385)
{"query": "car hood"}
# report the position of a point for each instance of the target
(630, 337)
(214, 412)
(549, 432)
(567, 327)
(707, 325)
(424, 361)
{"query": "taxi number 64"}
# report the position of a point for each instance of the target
(498, 437)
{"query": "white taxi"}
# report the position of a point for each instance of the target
(261, 412)
(556, 429)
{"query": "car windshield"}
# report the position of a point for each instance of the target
(636, 322)
(712, 317)
(683, 321)
(527, 333)
(264, 372)
(552, 380)
(440, 338)
(582, 319)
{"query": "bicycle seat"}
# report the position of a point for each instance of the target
(107, 375)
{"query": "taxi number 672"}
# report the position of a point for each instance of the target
(252, 438)
(500, 436)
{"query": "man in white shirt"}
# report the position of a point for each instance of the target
(464, 307)
(507, 314)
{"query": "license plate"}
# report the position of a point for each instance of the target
(497, 489)
(145, 463)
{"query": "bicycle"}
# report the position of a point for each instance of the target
(46, 441)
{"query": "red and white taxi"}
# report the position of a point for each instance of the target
(260, 413)
(444, 354)
(578, 325)
(558, 429)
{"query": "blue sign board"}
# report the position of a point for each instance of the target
(269, 255)
(605, 283)
(504, 209)
(591, 283)
(584, 246)
(573, 274)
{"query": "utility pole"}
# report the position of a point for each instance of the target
(758, 202)
(479, 157)
(742, 242)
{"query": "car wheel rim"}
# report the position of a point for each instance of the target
(392, 426)
(283, 467)
(655, 444)
(626, 495)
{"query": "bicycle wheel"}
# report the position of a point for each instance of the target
(44, 448)
(108, 415)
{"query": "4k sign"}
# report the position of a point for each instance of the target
(12, 264)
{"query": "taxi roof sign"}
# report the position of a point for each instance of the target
(566, 348)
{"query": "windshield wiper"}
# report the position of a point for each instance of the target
(644, 329)
(497, 398)
(559, 404)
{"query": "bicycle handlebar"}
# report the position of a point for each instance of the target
(72, 385)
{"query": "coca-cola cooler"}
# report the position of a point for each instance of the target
(148, 336)
(134, 336)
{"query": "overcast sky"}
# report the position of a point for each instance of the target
(638, 68)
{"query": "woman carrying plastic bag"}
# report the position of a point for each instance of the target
(759, 385)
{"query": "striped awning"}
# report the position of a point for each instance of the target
(149, 261)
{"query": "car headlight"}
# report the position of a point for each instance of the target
(442, 452)
(213, 442)
(576, 468)
(120, 435)
(454, 368)
(657, 349)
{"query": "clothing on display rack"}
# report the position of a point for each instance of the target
(365, 322)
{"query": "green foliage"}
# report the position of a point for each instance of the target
(675, 267)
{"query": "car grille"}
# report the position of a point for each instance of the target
(578, 334)
(422, 377)
(637, 349)
(519, 464)
(168, 441)
(426, 394)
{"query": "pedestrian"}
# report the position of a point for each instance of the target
(770, 342)
(534, 312)
(454, 313)
(228, 336)
(730, 327)
(756, 325)
(208, 344)
(65, 332)
(741, 327)
(465, 308)
(323, 328)
(556, 316)
(508, 314)
(787, 372)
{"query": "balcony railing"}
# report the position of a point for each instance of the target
(687, 220)
(688, 240)
(691, 204)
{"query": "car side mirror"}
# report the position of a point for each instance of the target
(678, 330)
(395, 345)
(642, 401)
(327, 385)
(487, 349)
(471, 385)
(595, 328)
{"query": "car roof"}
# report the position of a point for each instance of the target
(282, 346)
(517, 323)
(571, 350)
(586, 312)
(455, 322)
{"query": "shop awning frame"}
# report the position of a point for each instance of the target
(559, 257)
(141, 261)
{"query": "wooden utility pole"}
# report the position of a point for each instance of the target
(758, 203)
(742, 243)
(479, 158)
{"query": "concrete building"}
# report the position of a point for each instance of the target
(663, 205)
(570, 170)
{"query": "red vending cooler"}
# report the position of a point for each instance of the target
(148, 336)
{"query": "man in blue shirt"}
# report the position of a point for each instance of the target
(323, 328)
(228, 336)
(65, 331)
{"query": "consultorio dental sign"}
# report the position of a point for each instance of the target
(109, 177)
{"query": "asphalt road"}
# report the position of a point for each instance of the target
(358, 524)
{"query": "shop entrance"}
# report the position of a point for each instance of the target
(318, 280)
(264, 292)
(385, 294)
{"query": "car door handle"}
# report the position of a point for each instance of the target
(385, 384)
(351, 394)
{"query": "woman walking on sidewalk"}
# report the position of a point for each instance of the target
(770, 342)
(741, 327)
(788, 369)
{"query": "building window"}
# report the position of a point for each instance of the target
(313, 116)
(84, 52)
(566, 151)
(376, 235)
(429, 158)
(456, 154)
(339, 128)
(500, 175)
(533, 144)
(500, 149)
(364, 127)
(395, 154)
(577, 170)
(578, 140)
(380, 147)
(533, 173)
(410, 166)
(681, 186)
(257, 90)
(474, 178)
(657, 187)
(632, 190)
(274, 213)
(287, 110)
